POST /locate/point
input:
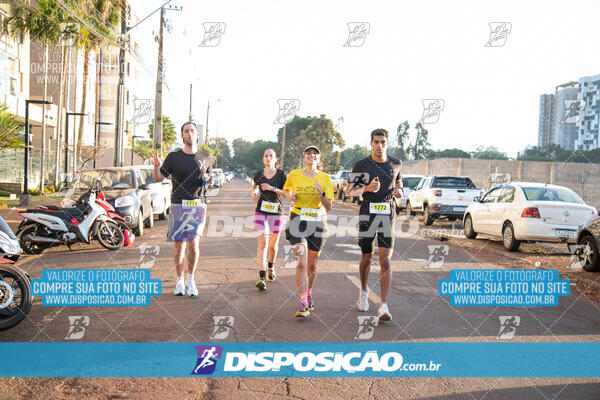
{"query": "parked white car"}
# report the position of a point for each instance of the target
(160, 192)
(409, 182)
(439, 196)
(527, 211)
(218, 177)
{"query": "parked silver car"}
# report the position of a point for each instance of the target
(160, 192)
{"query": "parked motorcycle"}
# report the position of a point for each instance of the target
(15, 287)
(128, 235)
(49, 226)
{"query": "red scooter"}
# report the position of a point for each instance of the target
(110, 210)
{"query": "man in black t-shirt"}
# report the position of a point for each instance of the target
(377, 177)
(189, 169)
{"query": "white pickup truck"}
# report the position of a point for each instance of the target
(442, 196)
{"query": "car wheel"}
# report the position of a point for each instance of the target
(427, 217)
(589, 254)
(508, 238)
(409, 210)
(469, 232)
(149, 222)
(139, 230)
(163, 215)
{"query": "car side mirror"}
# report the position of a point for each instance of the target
(145, 186)
(477, 199)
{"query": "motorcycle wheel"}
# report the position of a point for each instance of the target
(111, 239)
(15, 297)
(29, 247)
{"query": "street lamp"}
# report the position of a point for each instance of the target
(67, 140)
(27, 144)
(96, 131)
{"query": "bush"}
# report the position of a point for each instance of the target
(4, 193)
(3, 204)
(49, 189)
(35, 192)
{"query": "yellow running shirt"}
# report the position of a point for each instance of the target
(306, 194)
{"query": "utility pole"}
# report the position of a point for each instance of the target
(282, 158)
(118, 160)
(206, 129)
(190, 118)
(157, 134)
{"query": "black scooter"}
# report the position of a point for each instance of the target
(15, 286)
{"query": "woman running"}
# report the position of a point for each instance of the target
(268, 217)
(311, 193)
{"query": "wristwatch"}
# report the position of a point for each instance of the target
(323, 194)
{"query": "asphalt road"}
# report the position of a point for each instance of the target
(226, 276)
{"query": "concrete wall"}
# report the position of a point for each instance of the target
(582, 178)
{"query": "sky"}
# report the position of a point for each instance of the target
(413, 51)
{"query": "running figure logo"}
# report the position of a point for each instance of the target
(288, 108)
(437, 255)
(223, 325)
(573, 111)
(579, 255)
(212, 34)
(366, 327)
(289, 258)
(508, 327)
(77, 325)
(207, 359)
(499, 32)
(357, 180)
(357, 34)
(148, 254)
(432, 109)
(186, 222)
(143, 111)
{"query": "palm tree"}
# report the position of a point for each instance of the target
(109, 11)
(45, 24)
(10, 130)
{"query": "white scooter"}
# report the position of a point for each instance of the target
(49, 226)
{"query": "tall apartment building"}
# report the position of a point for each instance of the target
(551, 129)
(588, 133)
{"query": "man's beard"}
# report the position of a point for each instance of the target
(188, 142)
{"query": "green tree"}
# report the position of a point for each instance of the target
(403, 138)
(221, 151)
(169, 136)
(143, 149)
(11, 131)
(451, 153)
(240, 152)
(482, 154)
(303, 131)
(421, 149)
(350, 155)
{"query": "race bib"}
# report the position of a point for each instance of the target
(310, 214)
(191, 203)
(379, 208)
(269, 207)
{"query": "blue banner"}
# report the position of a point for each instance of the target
(300, 359)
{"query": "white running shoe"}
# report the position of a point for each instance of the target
(179, 288)
(383, 313)
(363, 300)
(192, 290)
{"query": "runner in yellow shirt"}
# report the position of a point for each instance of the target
(311, 193)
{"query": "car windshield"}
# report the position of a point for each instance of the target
(147, 175)
(551, 194)
(110, 179)
(452, 182)
(410, 182)
(6, 229)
